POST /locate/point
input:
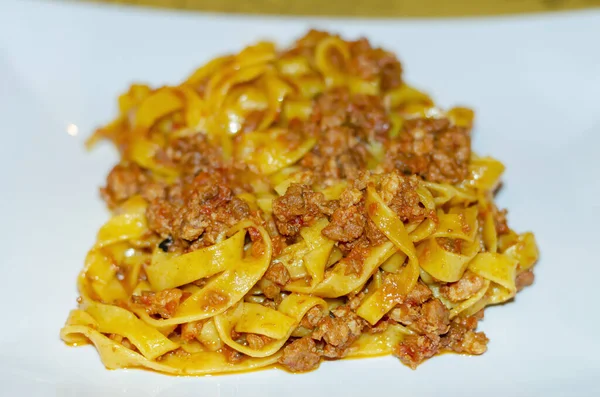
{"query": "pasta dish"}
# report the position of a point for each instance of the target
(283, 207)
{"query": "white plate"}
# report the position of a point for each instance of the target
(534, 82)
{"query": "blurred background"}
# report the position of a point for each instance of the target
(367, 8)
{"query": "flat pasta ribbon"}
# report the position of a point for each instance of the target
(222, 291)
(379, 344)
(498, 268)
(394, 285)
(309, 257)
(114, 355)
(337, 282)
(445, 265)
(269, 152)
(129, 224)
(168, 272)
(111, 319)
(257, 319)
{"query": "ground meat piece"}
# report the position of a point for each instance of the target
(472, 343)
(391, 74)
(418, 295)
(370, 63)
(333, 352)
(333, 330)
(344, 124)
(356, 257)
(124, 341)
(462, 338)
(256, 341)
(407, 304)
(373, 234)
(160, 217)
(338, 155)
(279, 243)
(362, 181)
(451, 244)
(354, 300)
(408, 310)
(420, 313)
(404, 314)
(298, 207)
(199, 211)
(193, 155)
(163, 303)
(278, 274)
(189, 331)
(346, 224)
(180, 352)
(258, 244)
(367, 114)
(232, 356)
(312, 318)
(269, 288)
(434, 318)
(237, 336)
(202, 207)
(464, 288)
(415, 349)
(272, 304)
(400, 194)
(350, 196)
(500, 222)
(336, 140)
(300, 355)
(153, 190)
(524, 279)
(432, 149)
(381, 326)
(124, 181)
(339, 331)
(213, 299)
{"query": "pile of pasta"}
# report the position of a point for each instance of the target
(221, 282)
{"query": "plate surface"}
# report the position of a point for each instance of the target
(534, 82)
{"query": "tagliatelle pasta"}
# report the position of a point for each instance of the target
(281, 207)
